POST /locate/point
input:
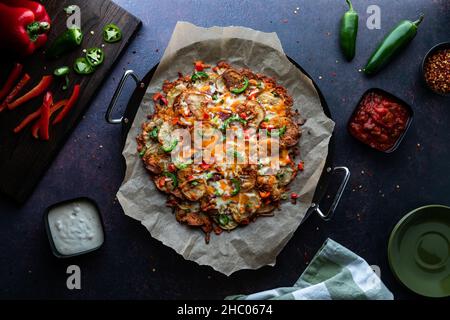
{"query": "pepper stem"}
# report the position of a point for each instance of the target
(36, 28)
(419, 21)
(350, 5)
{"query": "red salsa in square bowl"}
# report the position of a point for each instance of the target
(380, 120)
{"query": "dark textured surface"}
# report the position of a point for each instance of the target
(133, 265)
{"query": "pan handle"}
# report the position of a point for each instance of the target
(112, 105)
(329, 214)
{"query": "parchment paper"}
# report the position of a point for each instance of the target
(259, 243)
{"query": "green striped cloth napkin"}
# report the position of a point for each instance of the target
(334, 273)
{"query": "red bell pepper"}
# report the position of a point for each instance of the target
(53, 109)
(12, 95)
(44, 120)
(35, 115)
(40, 88)
(12, 78)
(72, 100)
(23, 26)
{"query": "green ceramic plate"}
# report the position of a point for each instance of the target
(419, 251)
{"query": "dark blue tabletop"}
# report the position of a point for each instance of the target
(382, 188)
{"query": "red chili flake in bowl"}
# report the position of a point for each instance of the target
(437, 71)
(380, 120)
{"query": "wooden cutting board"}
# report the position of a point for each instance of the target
(23, 160)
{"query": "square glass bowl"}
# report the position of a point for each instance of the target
(74, 227)
(367, 132)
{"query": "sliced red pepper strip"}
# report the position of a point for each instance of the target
(72, 100)
(22, 83)
(12, 78)
(33, 93)
(35, 115)
(25, 122)
(53, 109)
(44, 121)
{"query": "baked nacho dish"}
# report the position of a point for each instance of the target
(203, 144)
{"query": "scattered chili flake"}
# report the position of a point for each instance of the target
(301, 166)
(437, 71)
(294, 195)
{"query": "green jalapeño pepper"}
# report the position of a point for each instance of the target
(172, 177)
(143, 151)
(348, 32)
(95, 56)
(112, 33)
(392, 44)
(66, 42)
(277, 133)
(82, 66)
(63, 72)
(199, 75)
(237, 186)
(223, 219)
(170, 147)
(154, 133)
(241, 89)
(233, 118)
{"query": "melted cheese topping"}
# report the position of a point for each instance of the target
(209, 101)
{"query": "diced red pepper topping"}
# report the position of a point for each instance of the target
(172, 168)
(301, 166)
(158, 97)
(199, 66)
(161, 182)
(204, 166)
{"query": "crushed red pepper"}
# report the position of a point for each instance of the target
(437, 71)
(379, 121)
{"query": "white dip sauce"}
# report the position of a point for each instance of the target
(75, 227)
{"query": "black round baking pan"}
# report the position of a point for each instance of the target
(327, 173)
